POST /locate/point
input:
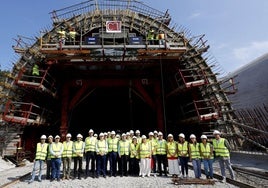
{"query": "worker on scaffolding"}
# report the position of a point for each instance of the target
(151, 36)
(72, 35)
(35, 72)
(62, 36)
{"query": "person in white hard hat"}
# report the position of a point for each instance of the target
(134, 158)
(194, 153)
(206, 152)
(67, 155)
(48, 160)
(145, 152)
(78, 153)
(222, 154)
(138, 135)
(123, 155)
(90, 151)
(56, 149)
(183, 152)
(161, 154)
(40, 157)
(113, 153)
(102, 150)
(153, 144)
(172, 156)
(131, 133)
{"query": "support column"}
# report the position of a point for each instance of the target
(159, 107)
(64, 110)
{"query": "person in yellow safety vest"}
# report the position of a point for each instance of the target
(62, 35)
(145, 152)
(90, 151)
(113, 153)
(56, 149)
(48, 161)
(172, 156)
(151, 36)
(222, 154)
(35, 72)
(153, 144)
(123, 154)
(67, 156)
(206, 153)
(78, 153)
(194, 151)
(161, 154)
(183, 152)
(72, 35)
(40, 157)
(102, 150)
(138, 135)
(134, 158)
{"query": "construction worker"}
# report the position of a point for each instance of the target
(222, 153)
(35, 72)
(72, 35)
(56, 149)
(113, 153)
(145, 152)
(151, 36)
(206, 153)
(172, 156)
(194, 153)
(67, 156)
(48, 161)
(134, 157)
(78, 153)
(123, 154)
(90, 151)
(153, 144)
(183, 152)
(138, 135)
(40, 157)
(101, 149)
(62, 35)
(161, 154)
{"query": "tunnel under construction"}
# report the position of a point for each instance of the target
(126, 67)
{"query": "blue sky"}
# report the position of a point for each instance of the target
(236, 30)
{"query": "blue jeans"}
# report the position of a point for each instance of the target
(56, 164)
(226, 161)
(184, 165)
(197, 167)
(37, 164)
(101, 165)
(208, 167)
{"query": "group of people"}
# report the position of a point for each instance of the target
(129, 154)
(69, 35)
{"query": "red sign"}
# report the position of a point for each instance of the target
(113, 26)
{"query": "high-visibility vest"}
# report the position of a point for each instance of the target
(124, 147)
(153, 145)
(90, 143)
(78, 149)
(220, 148)
(161, 148)
(150, 35)
(134, 150)
(48, 152)
(145, 150)
(195, 153)
(102, 146)
(72, 35)
(139, 140)
(35, 70)
(171, 148)
(41, 151)
(67, 149)
(56, 148)
(183, 149)
(113, 145)
(206, 150)
(62, 34)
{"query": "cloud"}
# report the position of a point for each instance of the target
(195, 15)
(252, 51)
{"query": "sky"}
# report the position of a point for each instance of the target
(235, 30)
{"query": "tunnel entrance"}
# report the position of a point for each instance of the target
(113, 108)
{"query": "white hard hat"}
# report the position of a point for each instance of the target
(170, 135)
(79, 136)
(117, 136)
(105, 134)
(155, 132)
(69, 135)
(43, 137)
(123, 134)
(131, 131)
(90, 131)
(143, 137)
(137, 131)
(134, 137)
(50, 136)
(57, 136)
(127, 133)
(95, 135)
(216, 132)
(160, 134)
(101, 134)
(112, 132)
(204, 137)
(182, 135)
(192, 136)
(151, 134)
